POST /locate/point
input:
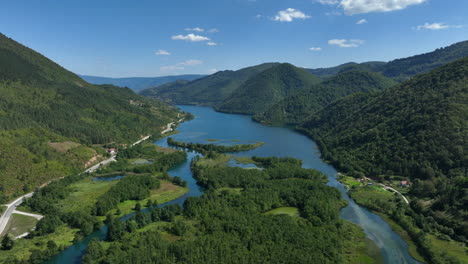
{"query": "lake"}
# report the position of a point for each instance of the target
(280, 142)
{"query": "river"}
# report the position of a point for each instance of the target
(280, 142)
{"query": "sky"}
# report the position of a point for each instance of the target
(143, 38)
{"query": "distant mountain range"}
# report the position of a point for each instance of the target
(254, 89)
(139, 83)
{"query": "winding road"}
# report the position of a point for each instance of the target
(11, 207)
(395, 191)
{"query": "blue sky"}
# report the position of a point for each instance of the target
(158, 37)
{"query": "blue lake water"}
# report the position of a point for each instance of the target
(280, 142)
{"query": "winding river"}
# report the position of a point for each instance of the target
(281, 142)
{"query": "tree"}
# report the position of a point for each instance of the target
(137, 207)
(7, 242)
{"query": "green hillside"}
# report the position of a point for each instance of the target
(52, 122)
(209, 90)
(402, 69)
(331, 71)
(267, 88)
(299, 106)
(417, 130)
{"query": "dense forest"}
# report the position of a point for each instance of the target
(230, 223)
(52, 122)
(206, 149)
(300, 105)
(267, 88)
(417, 130)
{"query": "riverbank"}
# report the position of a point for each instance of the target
(383, 201)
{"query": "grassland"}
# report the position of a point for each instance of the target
(20, 224)
(86, 192)
(165, 193)
(291, 211)
(63, 237)
(219, 159)
(244, 160)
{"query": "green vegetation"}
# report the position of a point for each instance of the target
(300, 105)
(20, 224)
(267, 88)
(39, 248)
(43, 104)
(416, 130)
(402, 69)
(405, 222)
(210, 148)
(209, 90)
(167, 191)
(291, 211)
(135, 187)
(74, 206)
(228, 218)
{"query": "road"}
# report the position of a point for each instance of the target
(395, 191)
(168, 128)
(11, 207)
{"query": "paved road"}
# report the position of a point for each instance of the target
(168, 129)
(11, 208)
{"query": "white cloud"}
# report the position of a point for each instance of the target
(191, 62)
(328, 2)
(289, 15)
(213, 30)
(171, 68)
(258, 16)
(213, 70)
(162, 52)
(345, 43)
(190, 37)
(352, 7)
(211, 43)
(181, 65)
(333, 13)
(315, 49)
(437, 26)
(197, 29)
(362, 21)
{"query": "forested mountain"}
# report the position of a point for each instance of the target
(300, 105)
(402, 69)
(267, 88)
(329, 72)
(209, 90)
(418, 130)
(139, 83)
(50, 118)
